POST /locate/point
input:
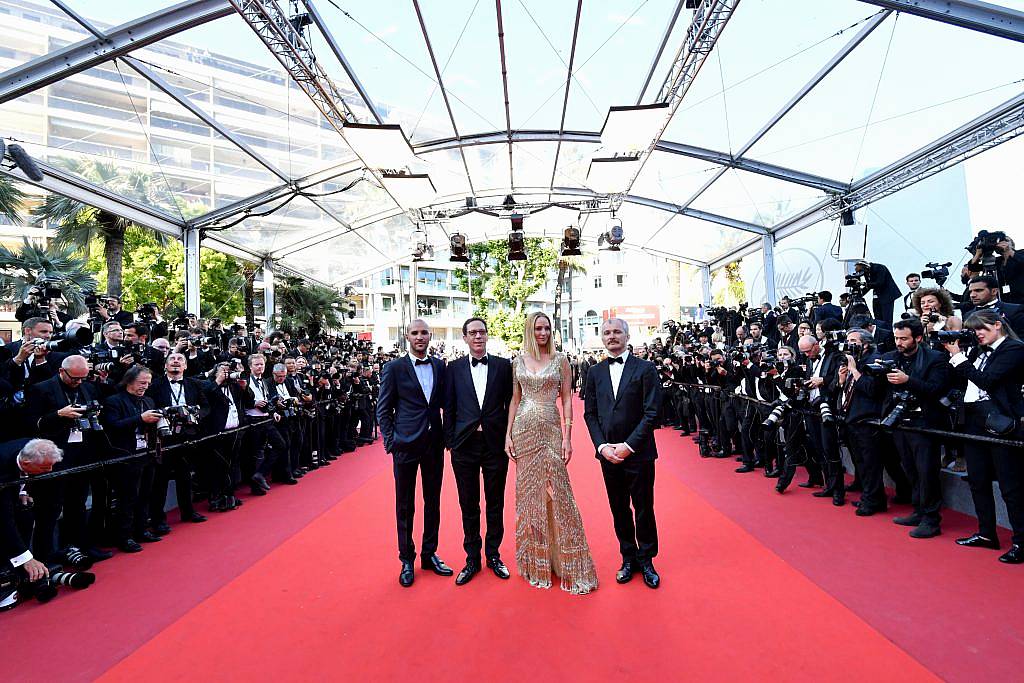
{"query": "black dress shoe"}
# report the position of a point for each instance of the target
(291, 481)
(129, 545)
(651, 577)
(978, 541)
(855, 487)
(863, 511)
(925, 530)
(261, 481)
(149, 537)
(839, 499)
(625, 573)
(807, 485)
(745, 469)
(195, 518)
(824, 493)
(1015, 555)
(257, 490)
(161, 529)
(437, 565)
(498, 567)
(780, 487)
(467, 573)
(909, 520)
(407, 576)
(772, 474)
(98, 555)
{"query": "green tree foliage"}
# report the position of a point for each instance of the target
(508, 284)
(307, 308)
(12, 199)
(22, 268)
(732, 291)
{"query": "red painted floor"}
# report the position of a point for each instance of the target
(302, 584)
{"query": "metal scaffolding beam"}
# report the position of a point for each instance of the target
(192, 296)
(568, 84)
(994, 20)
(661, 50)
(119, 41)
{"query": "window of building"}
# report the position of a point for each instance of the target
(387, 303)
(620, 280)
(597, 282)
(387, 278)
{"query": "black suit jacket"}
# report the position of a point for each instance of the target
(880, 282)
(122, 417)
(1001, 378)
(11, 542)
(408, 421)
(930, 375)
(462, 411)
(829, 372)
(15, 374)
(868, 393)
(195, 394)
(884, 339)
(217, 417)
(42, 401)
(827, 310)
(629, 417)
(249, 396)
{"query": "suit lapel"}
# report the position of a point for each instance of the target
(627, 374)
(606, 379)
(491, 374)
(410, 370)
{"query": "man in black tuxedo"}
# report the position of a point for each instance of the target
(21, 459)
(50, 415)
(129, 416)
(825, 309)
(621, 411)
(788, 336)
(983, 291)
(878, 279)
(412, 391)
(114, 311)
(174, 389)
(264, 442)
(479, 390)
(823, 439)
(227, 412)
(28, 363)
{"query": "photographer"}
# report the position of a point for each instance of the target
(56, 410)
(992, 406)
(825, 309)
(285, 402)
(137, 336)
(169, 391)
(878, 279)
(263, 441)
(821, 380)
(21, 459)
(113, 311)
(934, 307)
(861, 397)
(130, 419)
(993, 254)
(983, 292)
(883, 339)
(720, 372)
(156, 327)
(227, 412)
(31, 361)
(918, 377)
(787, 336)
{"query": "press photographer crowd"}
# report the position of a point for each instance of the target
(903, 392)
(100, 414)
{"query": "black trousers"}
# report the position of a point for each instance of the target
(469, 461)
(133, 483)
(824, 442)
(223, 464)
(883, 309)
(632, 483)
(63, 497)
(175, 465)
(265, 446)
(864, 442)
(922, 463)
(428, 460)
(987, 463)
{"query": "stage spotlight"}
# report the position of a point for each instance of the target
(613, 236)
(459, 251)
(571, 242)
(516, 246)
(517, 221)
(351, 312)
(847, 217)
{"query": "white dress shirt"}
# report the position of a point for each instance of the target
(258, 395)
(816, 364)
(177, 392)
(232, 420)
(615, 371)
(479, 375)
(424, 373)
(973, 393)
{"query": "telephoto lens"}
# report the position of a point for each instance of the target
(77, 580)
(772, 421)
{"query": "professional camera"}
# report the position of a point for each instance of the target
(13, 582)
(89, 419)
(285, 407)
(986, 241)
(93, 302)
(825, 410)
(801, 303)
(106, 359)
(775, 417)
(905, 403)
(856, 286)
(966, 338)
(937, 271)
(881, 367)
(178, 420)
(147, 311)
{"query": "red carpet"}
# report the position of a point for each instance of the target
(303, 585)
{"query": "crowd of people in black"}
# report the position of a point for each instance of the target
(787, 387)
(212, 408)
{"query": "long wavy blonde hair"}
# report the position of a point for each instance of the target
(530, 346)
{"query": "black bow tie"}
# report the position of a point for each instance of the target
(985, 349)
(616, 360)
(479, 361)
(422, 362)
(174, 381)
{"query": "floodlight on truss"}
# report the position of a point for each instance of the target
(571, 242)
(632, 129)
(516, 246)
(380, 146)
(458, 249)
(608, 175)
(613, 235)
(422, 250)
(410, 190)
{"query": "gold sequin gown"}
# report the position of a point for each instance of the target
(549, 530)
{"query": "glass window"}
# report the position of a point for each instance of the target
(620, 280)
(597, 282)
(387, 303)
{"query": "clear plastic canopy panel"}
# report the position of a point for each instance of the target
(796, 101)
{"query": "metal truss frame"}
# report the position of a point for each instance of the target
(995, 20)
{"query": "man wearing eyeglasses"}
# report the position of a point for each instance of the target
(54, 410)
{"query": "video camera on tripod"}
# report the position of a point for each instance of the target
(937, 271)
(986, 246)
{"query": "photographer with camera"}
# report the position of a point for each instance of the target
(32, 358)
(156, 326)
(823, 361)
(992, 406)
(227, 411)
(787, 336)
(884, 341)
(284, 403)
(264, 442)
(20, 459)
(934, 307)
(130, 418)
(993, 254)
(877, 279)
(110, 309)
(63, 409)
(137, 337)
(720, 372)
(983, 292)
(860, 403)
(170, 391)
(918, 377)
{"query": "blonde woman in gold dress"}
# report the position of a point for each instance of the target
(549, 532)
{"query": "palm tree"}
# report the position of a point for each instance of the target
(11, 200)
(566, 266)
(77, 224)
(312, 308)
(32, 263)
